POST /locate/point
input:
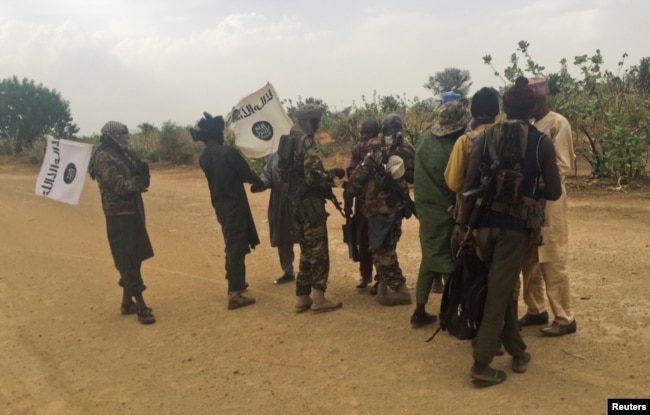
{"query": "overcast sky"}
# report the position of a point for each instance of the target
(139, 61)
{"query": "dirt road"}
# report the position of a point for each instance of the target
(65, 348)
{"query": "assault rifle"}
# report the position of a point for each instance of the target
(349, 231)
(329, 195)
(478, 198)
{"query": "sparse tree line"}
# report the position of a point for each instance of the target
(609, 113)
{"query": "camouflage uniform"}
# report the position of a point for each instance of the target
(369, 129)
(122, 177)
(310, 222)
(384, 206)
(308, 193)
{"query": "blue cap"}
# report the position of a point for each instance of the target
(449, 96)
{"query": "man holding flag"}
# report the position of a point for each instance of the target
(226, 171)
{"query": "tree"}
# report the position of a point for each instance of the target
(27, 111)
(451, 79)
(608, 111)
(176, 144)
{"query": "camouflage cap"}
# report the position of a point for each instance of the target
(452, 116)
(114, 129)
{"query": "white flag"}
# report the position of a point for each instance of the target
(63, 172)
(258, 122)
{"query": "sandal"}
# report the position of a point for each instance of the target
(489, 377)
(145, 316)
(128, 308)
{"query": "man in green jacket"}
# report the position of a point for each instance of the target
(433, 202)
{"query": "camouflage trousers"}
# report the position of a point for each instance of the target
(314, 264)
(385, 258)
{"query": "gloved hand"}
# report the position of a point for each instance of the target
(141, 183)
(338, 172)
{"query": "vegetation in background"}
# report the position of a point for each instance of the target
(27, 112)
(450, 80)
(609, 113)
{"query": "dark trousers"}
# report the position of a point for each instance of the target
(365, 256)
(130, 245)
(503, 252)
(131, 278)
(236, 271)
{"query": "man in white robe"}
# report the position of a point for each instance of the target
(546, 265)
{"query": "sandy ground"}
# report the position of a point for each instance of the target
(65, 348)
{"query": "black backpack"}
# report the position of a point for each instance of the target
(463, 299)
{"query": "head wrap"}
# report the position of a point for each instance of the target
(308, 117)
(452, 116)
(485, 103)
(539, 86)
(210, 128)
(449, 96)
(519, 99)
(117, 132)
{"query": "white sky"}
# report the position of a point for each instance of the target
(139, 61)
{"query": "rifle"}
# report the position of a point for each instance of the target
(350, 238)
(349, 230)
(480, 199)
(329, 195)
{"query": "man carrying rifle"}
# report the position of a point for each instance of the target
(369, 130)
(311, 185)
(507, 222)
(380, 180)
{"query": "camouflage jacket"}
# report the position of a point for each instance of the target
(382, 195)
(116, 176)
(316, 180)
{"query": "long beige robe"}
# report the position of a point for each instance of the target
(556, 227)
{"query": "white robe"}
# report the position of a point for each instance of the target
(556, 227)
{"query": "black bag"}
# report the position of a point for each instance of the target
(463, 300)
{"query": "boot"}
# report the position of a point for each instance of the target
(388, 296)
(303, 303)
(321, 304)
(237, 300)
